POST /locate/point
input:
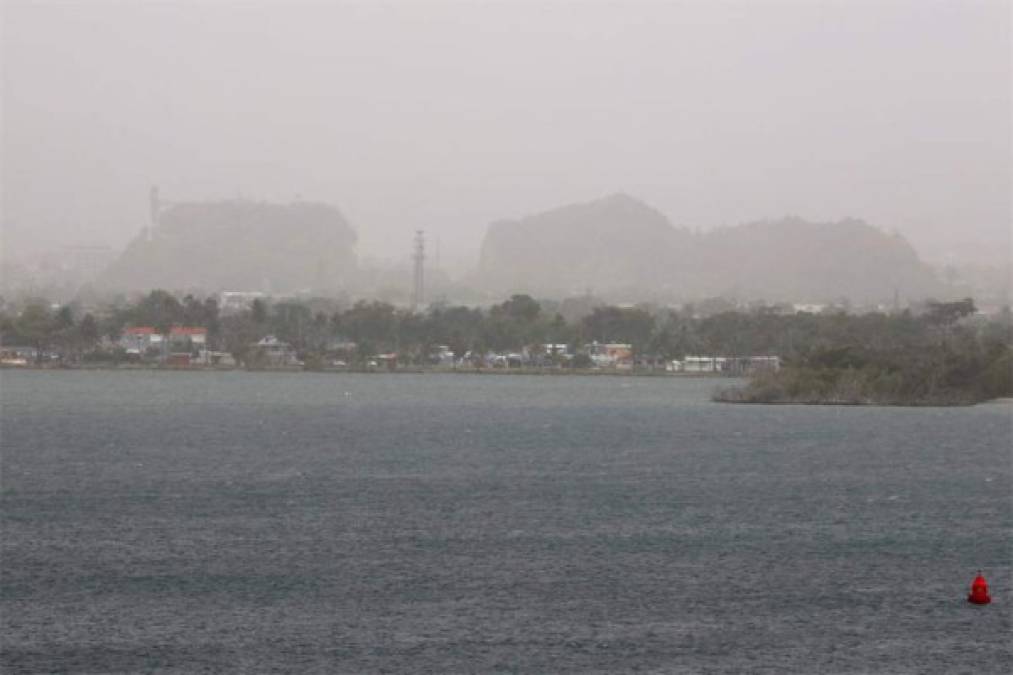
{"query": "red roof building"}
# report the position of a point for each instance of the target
(192, 334)
(187, 330)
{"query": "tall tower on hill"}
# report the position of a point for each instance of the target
(418, 282)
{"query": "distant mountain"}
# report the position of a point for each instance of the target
(614, 243)
(623, 248)
(795, 260)
(239, 245)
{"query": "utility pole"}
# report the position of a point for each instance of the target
(419, 256)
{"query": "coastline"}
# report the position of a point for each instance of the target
(410, 370)
(735, 395)
(862, 404)
(742, 396)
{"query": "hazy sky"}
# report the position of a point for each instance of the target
(447, 115)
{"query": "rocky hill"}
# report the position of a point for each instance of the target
(239, 245)
(620, 247)
(614, 243)
(795, 260)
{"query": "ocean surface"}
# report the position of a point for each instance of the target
(291, 522)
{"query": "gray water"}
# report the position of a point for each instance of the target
(207, 522)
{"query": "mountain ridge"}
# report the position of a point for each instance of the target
(617, 246)
(239, 245)
(625, 244)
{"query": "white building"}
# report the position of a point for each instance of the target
(731, 365)
(138, 339)
(231, 302)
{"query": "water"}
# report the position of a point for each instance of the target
(207, 522)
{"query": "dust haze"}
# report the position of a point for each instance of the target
(448, 116)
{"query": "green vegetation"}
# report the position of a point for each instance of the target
(941, 353)
(937, 358)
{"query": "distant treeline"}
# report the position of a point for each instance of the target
(943, 351)
(938, 358)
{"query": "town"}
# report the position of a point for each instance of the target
(943, 347)
(237, 330)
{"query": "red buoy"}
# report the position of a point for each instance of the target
(979, 591)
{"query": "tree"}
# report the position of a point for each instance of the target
(64, 319)
(239, 333)
(34, 325)
(159, 309)
(948, 313)
(514, 323)
(291, 322)
(619, 324)
(522, 308)
(373, 322)
(258, 311)
(87, 330)
(460, 328)
(62, 331)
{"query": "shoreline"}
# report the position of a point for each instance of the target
(720, 396)
(866, 404)
(549, 372)
(729, 397)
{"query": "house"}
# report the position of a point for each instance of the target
(138, 340)
(274, 352)
(511, 360)
(220, 359)
(187, 345)
(233, 302)
(546, 355)
(611, 354)
(749, 365)
(729, 365)
(190, 339)
(179, 360)
(18, 356)
(703, 364)
(442, 356)
(388, 361)
(650, 362)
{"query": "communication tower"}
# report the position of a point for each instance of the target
(419, 257)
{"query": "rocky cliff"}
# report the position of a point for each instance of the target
(614, 243)
(623, 248)
(239, 245)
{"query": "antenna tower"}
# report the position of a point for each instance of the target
(419, 257)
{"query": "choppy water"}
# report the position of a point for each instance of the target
(196, 522)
